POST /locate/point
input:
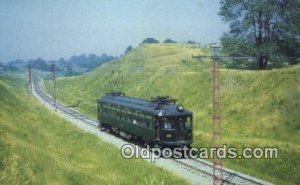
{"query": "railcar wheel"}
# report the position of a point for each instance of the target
(155, 146)
(100, 126)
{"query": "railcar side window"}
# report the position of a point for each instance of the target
(188, 123)
(143, 123)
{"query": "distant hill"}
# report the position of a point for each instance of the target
(259, 108)
(74, 66)
(88, 62)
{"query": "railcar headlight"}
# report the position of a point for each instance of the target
(180, 108)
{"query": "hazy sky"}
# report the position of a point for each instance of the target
(61, 28)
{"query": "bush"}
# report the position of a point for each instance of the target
(150, 40)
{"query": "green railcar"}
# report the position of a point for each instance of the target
(159, 121)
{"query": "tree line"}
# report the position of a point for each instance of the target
(75, 65)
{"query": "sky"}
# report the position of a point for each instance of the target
(52, 29)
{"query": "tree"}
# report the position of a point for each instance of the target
(169, 41)
(263, 28)
(129, 48)
(150, 40)
(191, 42)
(39, 63)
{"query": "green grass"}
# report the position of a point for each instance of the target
(37, 147)
(259, 108)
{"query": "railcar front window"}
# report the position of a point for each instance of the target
(168, 123)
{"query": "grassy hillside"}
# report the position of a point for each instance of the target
(37, 147)
(259, 108)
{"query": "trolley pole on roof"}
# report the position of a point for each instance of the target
(116, 81)
(54, 85)
(29, 80)
(216, 116)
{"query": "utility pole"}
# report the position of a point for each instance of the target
(54, 85)
(216, 118)
(218, 177)
(29, 80)
(216, 115)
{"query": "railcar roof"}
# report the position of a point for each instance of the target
(144, 105)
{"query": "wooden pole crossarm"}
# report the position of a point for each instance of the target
(229, 57)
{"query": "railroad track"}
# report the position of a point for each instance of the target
(230, 177)
(194, 165)
(75, 114)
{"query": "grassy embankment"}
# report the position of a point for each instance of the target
(259, 108)
(37, 147)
